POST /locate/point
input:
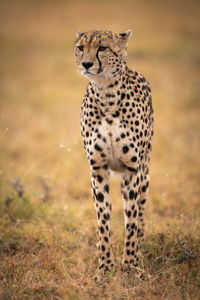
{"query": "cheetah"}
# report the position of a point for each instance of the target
(117, 130)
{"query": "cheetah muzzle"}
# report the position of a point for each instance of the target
(117, 131)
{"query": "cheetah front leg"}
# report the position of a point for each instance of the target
(100, 188)
(131, 194)
(143, 195)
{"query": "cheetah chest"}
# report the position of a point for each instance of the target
(110, 130)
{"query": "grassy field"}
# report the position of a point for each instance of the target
(47, 219)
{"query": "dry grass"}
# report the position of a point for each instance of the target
(48, 223)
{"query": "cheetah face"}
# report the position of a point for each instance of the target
(100, 53)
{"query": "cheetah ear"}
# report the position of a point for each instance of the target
(126, 35)
(79, 34)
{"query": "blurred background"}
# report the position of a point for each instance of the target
(44, 174)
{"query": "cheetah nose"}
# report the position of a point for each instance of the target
(87, 64)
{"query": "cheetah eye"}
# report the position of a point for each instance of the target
(102, 48)
(80, 48)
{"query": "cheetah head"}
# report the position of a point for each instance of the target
(101, 53)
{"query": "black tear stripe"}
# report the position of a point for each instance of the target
(113, 52)
(81, 57)
(100, 68)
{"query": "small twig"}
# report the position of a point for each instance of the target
(46, 189)
(8, 201)
(18, 187)
(188, 252)
(10, 215)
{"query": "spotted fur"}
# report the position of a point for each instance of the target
(117, 131)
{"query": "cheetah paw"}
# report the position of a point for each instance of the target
(105, 273)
